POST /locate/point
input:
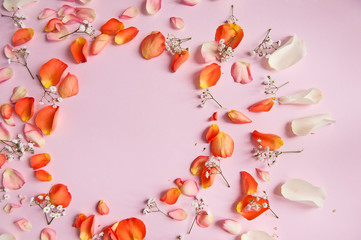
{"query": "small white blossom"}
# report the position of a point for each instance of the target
(6, 196)
(81, 28)
(53, 89)
(46, 210)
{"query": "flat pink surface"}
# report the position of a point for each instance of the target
(135, 126)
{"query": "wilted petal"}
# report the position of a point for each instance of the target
(25, 108)
(178, 214)
(48, 234)
(102, 208)
(238, 117)
(179, 59)
(79, 219)
(18, 93)
(79, 50)
(204, 219)
(272, 141)
(46, 12)
(69, 86)
(12, 179)
(43, 176)
(3, 159)
(66, 10)
(306, 125)
(210, 75)
(209, 51)
(5, 74)
(99, 43)
(126, 35)
(310, 96)
(153, 6)
(10, 207)
(231, 33)
(39, 160)
(4, 132)
(87, 228)
(8, 51)
(256, 235)
(247, 207)
(6, 236)
(208, 176)
(222, 145)
(212, 132)
(231, 226)
(177, 22)
(131, 229)
(24, 224)
(60, 195)
(263, 106)
(304, 192)
(87, 14)
(51, 72)
(171, 196)
(130, 12)
(112, 27)
(34, 135)
(153, 45)
(264, 175)
(241, 72)
(22, 36)
(191, 2)
(248, 184)
(198, 165)
(189, 188)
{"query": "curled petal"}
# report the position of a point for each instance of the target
(222, 145)
(34, 135)
(109, 234)
(47, 119)
(131, 229)
(112, 27)
(130, 12)
(10, 207)
(241, 72)
(12, 179)
(191, 2)
(69, 86)
(231, 33)
(43, 176)
(171, 196)
(60, 195)
(263, 106)
(8, 51)
(4, 132)
(251, 207)
(210, 75)
(66, 10)
(198, 165)
(99, 43)
(3, 160)
(87, 228)
(153, 6)
(306, 125)
(214, 116)
(177, 22)
(272, 141)
(58, 34)
(179, 59)
(204, 219)
(6, 236)
(126, 35)
(212, 132)
(48, 234)
(5, 74)
(84, 1)
(310, 96)
(71, 19)
(264, 175)
(25, 108)
(87, 14)
(178, 214)
(209, 51)
(18, 93)
(22, 36)
(208, 176)
(256, 235)
(46, 12)
(102, 208)
(153, 45)
(288, 54)
(189, 188)
(51, 72)
(304, 192)
(238, 117)
(39, 160)
(10, 5)
(53, 25)
(248, 184)
(6, 111)
(24, 224)
(79, 50)
(231, 226)
(79, 219)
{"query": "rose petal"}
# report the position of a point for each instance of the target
(10, 207)
(214, 116)
(153, 6)
(18, 93)
(231, 226)
(58, 34)
(87, 14)
(263, 106)
(209, 51)
(84, 1)
(66, 10)
(22, 36)
(6, 111)
(189, 188)
(126, 35)
(51, 26)
(231, 33)
(59, 195)
(48, 234)
(102, 208)
(71, 19)
(177, 22)
(256, 235)
(178, 214)
(238, 117)
(288, 54)
(6, 236)
(79, 219)
(131, 229)
(43, 176)
(51, 72)
(130, 12)
(241, 72)
(3, 159)
(247, 206)
(24, 224)
(171, 196)
(5, 74)
(69, 86)
(79, 50)
(222, 145)
(198, 165)
(191, 2)
(208, 176)
(204, 219)
(12, 179)
(8, 51)
(304, 192)
(153, 45)
(112, 27)
(34, 135)
(306, 125)
(47, 119)
(39, 160)
(46, 12)
(109, 234)
(179, 59)
(248, 184)
(4, 132)
(212, 132)
(10, 5)
(310, 96)
(272, 141)
(99, 43)
(87, 228)
(210, 75)
(25, 108)
(264, 175)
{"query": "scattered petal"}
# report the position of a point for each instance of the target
(3, 159)
(25, 108)
(131, 229)
(47, 119)
(222, 145)
(153, 6)
(66, 10)
(231, 33)
(71, 19)
(5, 74)
(18, 93)
(130, 12)
(87, 14)
(272, 141)
(310, 96)
(99, 43)
(87, 228)
(208, 176)
(126, 35)
(22, 36)
(84, 1)
(179, 59)
(4, 132)
(191, 2)
(43, 176)
(48, 234)
(288, 54)
(51, 72)
(177, 22)
(34, 135)
(69, 86)
(238, 117)
(39, 160)
(153, 45)
(24, 224)
(102, 208)
(53, 25)
(6, 111)
(214, 116)
(256, 235)
(8, 51)
(10, 5)
(12, 179)
(6, 236)
(109, 234)
(58, 34)
(178, 214)
(248, 184)
(251, 207)
(212, 132)
(59, 195)
(189, 188)
(210, 75)
(205, 219)
(231, 226)
(263, 106)
(171, 196)
(46, 12)
(10, 207)
(264, 175)
(112, 27)
(241, 72)
(79, 50)
(198, 165)
(209, 51)
(306, 125)
(79, 219)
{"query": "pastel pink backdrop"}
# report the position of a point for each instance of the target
(136, 126)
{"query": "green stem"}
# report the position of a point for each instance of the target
(273, 212)
(26, 65)
(69, 34)
(210, 94)
(194, 220)
(292, 151)
(283, 85)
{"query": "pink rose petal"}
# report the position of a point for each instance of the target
(85, 14)
(191, 2)
(204, 219)
(130, 12)
(178, 214)
(4, 133)
(47, 12)
(188, 187)
(177, 22)
(66, 10)
(209, 51)
(10, 121)
(34, 135)
(12, 179)
(48, 234)
(18, 93)
(8, 51)
(10, 207)
(5, 74)
(6, 236)
(24, 224)
(241, 72)
(71, 19)
(231, 226)
(84, 1)
(22, 198)
(153, 6)
(264, 175)
(56, 36)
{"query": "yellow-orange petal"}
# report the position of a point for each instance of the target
(87, 228)
(212, 132)
(179, 59)
(43, 176)
(25, 108)
(109, 234)
(238, 117)
(79, 219)
(198, 165)
(131, 229)
(208, 176)
(69, 86)
(47, 119)
(79, 50)
(171, 196)
(126, 35)
(102, 208)
(51, 26)
(231, 33)
(99, 43)
(272, 141)
(51, 71)
(22, 36)
(251, 213)
(39, 160)
(60, 195)
(263, 106)
(210, 75)
(112, 26)
(3, 160)
(248, 184)
(153, 45)
(6, 111)
(222, 145)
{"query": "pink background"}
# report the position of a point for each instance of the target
(133, 127)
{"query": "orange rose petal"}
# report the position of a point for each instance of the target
(25, 108)
(51, 25)
(208, 176)
(131, 229)
(248, 184)
(153, 45)
(210, 75)
(238, 117)
(79, 219)
(43, 176)
(222, 145)
(22, 36)
(69, 86)
(99, 43)
(59, 195)
(50, 72)
(214, 116)
(231, 33)
(3, 160)
(6, 111)
(263, 106)
(79, 49)
(48, 234)
(109, 234)
(179, 59)
(272, 141)
(34, 135)
(87, 228)
(126, 35)
(171, 196)
(102, 208)
(47, 119)
(251, 213)
(112, 27)
(198, 165)
(212, 132)
(39, 160)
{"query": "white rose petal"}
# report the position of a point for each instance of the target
(306, 125)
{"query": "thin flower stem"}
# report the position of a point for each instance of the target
(292, 151)
(283, 85)
(185, 39)
(228, 185)
(210, 94)
(264, 40)
(163, 213)
(26, 65)
(37, 76)
(194, 220)
(69, 34)
(273, 212)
